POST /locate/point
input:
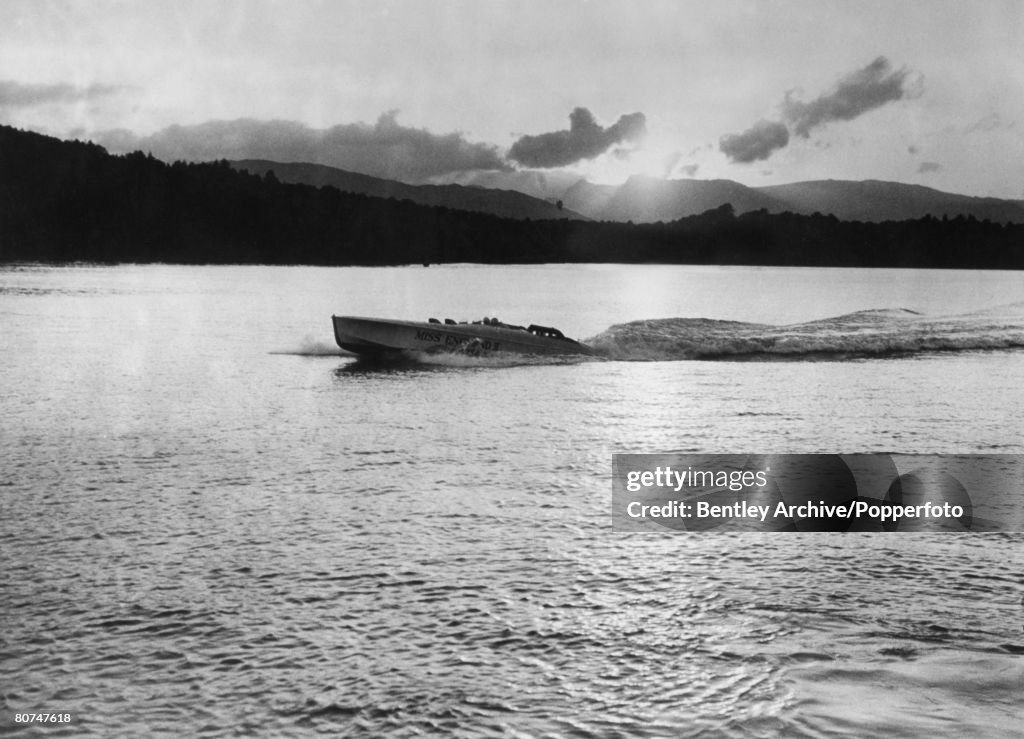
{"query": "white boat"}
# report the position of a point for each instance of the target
(380, 336)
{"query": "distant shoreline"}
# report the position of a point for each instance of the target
(71, 202)
(99, 265)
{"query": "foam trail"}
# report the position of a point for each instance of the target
(871, 333)
(494, 359)
(310, 346)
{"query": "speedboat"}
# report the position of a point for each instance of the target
(380, 336)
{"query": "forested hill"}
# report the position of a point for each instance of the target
(70, 201)
(503, 203)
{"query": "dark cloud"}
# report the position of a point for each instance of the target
(384, 149)
(756, 143)
(585, 139)
(18, 95)
(855, 94)
(927, 167)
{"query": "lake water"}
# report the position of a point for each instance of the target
(214, 524)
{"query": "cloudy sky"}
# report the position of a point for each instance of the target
(766, 92)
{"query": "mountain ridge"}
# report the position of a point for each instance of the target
(504, 203)
(72, 201)
(644, 199)
(882, 200)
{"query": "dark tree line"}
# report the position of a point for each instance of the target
(71, 201)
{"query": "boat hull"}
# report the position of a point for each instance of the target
(377, 336)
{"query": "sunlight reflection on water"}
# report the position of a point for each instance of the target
(204, 530)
